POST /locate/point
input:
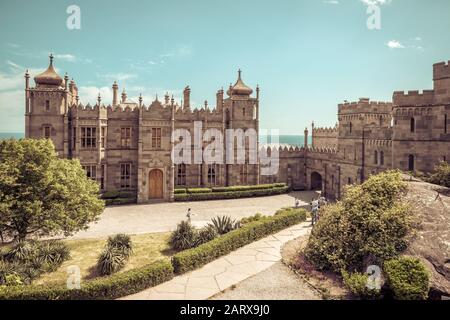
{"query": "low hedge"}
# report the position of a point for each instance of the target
(196, 257)
(120, 201)
(247, 188)
(230, 194)
(179, 190)
(112, 287)
(408, 278)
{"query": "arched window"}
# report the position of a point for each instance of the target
(243, 111)
(411, 162)
(413, 125)
(382, 158)
(351, 127)
(375, 158)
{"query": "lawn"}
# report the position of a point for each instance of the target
(147, 248)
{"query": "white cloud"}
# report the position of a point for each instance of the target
(376, 2)
(394, 44)
(120, 76)
(12, 109)
(66, 57)
(331, 2)
(89, 94)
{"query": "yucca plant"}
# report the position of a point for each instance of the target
(122, 242)
(224, 224)
(206, 234)
(51, 254)
(21, 251)
(184, 237)
(110, 261)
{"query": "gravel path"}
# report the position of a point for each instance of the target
(275, 283)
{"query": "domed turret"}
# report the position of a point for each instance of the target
(49, 77)
(240, 88)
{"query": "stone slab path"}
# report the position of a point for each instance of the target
(226, 271)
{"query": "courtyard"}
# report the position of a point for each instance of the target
(164, 217)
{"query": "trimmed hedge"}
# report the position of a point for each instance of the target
(230, 194)
(112, 287)
(196, 257)
(120, 201)
(247, 188)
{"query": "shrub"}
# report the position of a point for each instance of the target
(51, 254)
(111, 287)
(223, 224)
(441, 174)
(110, 194)
(21, 251)
(247, 188)
(179, 191)
(370, 224)
(198, 190)
(206, 234)
(255, 217)
(110, 261)
(184, 237)
(407, 277)
(230, 194)
(196, 257)
(122, 242)
(357, 282)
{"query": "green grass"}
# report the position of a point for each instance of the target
(147, 248)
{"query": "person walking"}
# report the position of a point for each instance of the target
(189, 214)
(314, 211)
(297, 202)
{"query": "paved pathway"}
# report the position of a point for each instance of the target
(163, 217)
(226, 271)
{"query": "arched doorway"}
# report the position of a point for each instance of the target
(316, 181)
(155, 185)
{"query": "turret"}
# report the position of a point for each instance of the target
(124, 96)
(187, 97)
(115, 88)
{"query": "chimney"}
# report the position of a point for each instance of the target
(305, 143)
(187, 97)
(115, 88)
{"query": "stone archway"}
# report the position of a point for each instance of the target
(155, 184)
(316, 181)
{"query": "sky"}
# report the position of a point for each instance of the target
(307, 56)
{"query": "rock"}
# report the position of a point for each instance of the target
(432, 242)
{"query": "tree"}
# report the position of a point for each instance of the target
(441, 174)
(41, 194)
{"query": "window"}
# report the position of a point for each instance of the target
(382, 158)
(413, 125)
(411, 162)
(349, 180)
(375, 160)
(47, 105)
(244, 174)
(102, 136)
(212, 174)
(181, 174)
(125, 175)
(88, 137)
(445, 123)
(125, 137)
(156, 138)
(47, 132)
(74, 138)
(102, 177)
(351, 127)
(243, 112)
(91, 171)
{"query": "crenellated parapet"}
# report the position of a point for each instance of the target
(413, 98)
(322, 150)
(364, 105)
(441, 70)
(283, 150)
(378, 143)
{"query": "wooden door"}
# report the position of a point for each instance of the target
(155, 184)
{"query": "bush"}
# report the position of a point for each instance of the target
(111, 287)
(194, 258)
(110, 194)
(441, 174)
(230, 194)
(122, 242)
(224, 224)
(52, 254)
(116, 253)
(198, 190)
(253, 218)
(408, 278)
(206, 234)
(247, 188)
(179, 191)
(110, 261)
(357, 284)
(370, 224)
(184, 237)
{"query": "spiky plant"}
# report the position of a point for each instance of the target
(21, 251)
(51, 254)
(110, 261)
(206, 234)
(184, 237)
(224, 224)
(122, 242)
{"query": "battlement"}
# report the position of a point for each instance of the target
(364, 105)
(413, 98)
(441, 70)
(284, 150)
(326, 131)
(322, 150)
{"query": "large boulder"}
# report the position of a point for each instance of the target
(432, 242)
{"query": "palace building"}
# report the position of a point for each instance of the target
(127, 145)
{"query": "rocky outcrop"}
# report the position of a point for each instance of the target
(432, 241)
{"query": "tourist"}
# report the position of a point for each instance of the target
(189, 214)
(297, 202)
(314, 211)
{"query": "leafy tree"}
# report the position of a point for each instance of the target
(41, 194)
(441, 174)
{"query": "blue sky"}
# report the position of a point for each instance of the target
(306, 55)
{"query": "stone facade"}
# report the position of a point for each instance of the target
(127, 145)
